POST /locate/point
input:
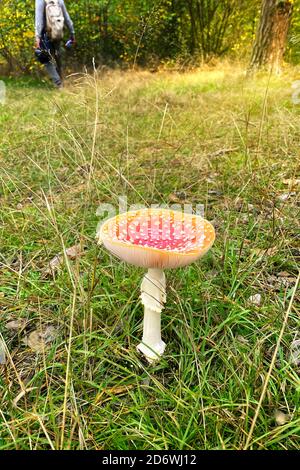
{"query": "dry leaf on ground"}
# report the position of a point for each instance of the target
(16, 324)
(285, 196)
(279, 282)
(37, 340)
(178, 197)
(54, 264)
(283, 274)
(294, 358)
(281, 418)
(72, 253)
(2, 352)
(255, 299)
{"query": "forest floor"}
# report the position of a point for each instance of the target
(70, 316)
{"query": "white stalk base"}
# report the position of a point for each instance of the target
(153, 297)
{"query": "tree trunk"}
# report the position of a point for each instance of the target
(271, 35)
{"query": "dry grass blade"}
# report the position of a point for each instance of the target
(93, 390)
(21, 395)
(67, 378)
(272, 364)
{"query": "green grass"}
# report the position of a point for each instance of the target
(212, 137)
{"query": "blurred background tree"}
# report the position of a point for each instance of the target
(17, 34)
(272, 32)
(143, 32)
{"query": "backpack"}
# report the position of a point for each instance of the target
(54, 20)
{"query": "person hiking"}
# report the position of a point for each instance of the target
(50, 18)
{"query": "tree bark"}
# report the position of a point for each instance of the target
(271, 35)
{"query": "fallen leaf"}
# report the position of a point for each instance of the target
(177, 196)
(283, 274)
(54, 264)
(281, 418)
(294, 358)
(244, 219)
(173, 198)
(255, 299)
(277, 282)
(16, 324)
(285, 196)
(72, 253)
(39, 339)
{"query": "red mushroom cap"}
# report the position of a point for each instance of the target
(157, 238)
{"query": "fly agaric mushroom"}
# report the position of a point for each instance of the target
(156, 239)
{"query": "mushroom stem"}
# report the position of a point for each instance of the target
(153, 297)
